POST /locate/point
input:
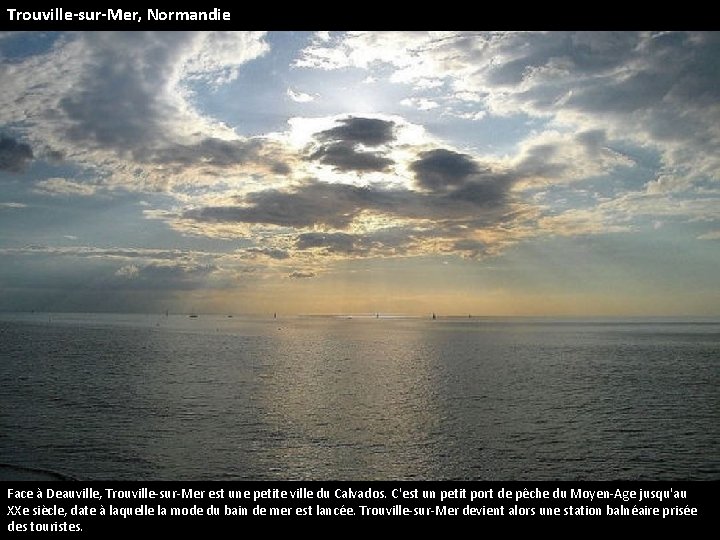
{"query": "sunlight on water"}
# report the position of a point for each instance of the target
(156, 397)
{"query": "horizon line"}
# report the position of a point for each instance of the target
(369, 315)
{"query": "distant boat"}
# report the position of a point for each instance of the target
(434, 317)
(193, 316)
(230, 316)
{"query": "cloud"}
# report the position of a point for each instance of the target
(76, 276)
(439, 169)
(14, 155)
(606, 100)
(340, 146)
(342, 156)
(129, 94)
(116, 253)
(273, 253)
(447, 202)
(423, 104)
(363, 49)
(460, 179)
(483, 201)
(130, 271)
(594, 140)
(576, 222)
(332, 242)
(667, 183)
(357, 130)
(124, 107)
(543, 160)
(633, 205)
(113, 270)
(64, 187)
(120, 103)
(470, 247)
(280, 168)
(562, 158)
(212, 153)
(216, 57)
(163, 276)
(299, 97)
(712, 235)
(655, 90)
(335, 205)
(475, 115)
(301, 275)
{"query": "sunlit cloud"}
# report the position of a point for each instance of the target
(420, 103)
(11, 205)
(299, 97)
(65, 187)
(712, 235)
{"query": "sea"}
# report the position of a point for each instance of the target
(213, 397)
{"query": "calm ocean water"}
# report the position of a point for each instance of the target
(134, 397)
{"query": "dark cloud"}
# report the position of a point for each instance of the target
(126, 101)
(281, 168)
(121, 100)
(54, 155)
(366, 131)
(591, 51)
(638, 91)
(385, 242)
(457, 178)
(439, 169)
(14, 155)
(273, 253)
(301, 275)
(116, 103)
(581, 52)
(483, 200)
(539, 161)
(491, 191)
(619, 73)
(211, 152)
(339, 146)
(667, 70)
(593, 140)
(344, 157)
(668, 87)
(335, 205)
(332, 242)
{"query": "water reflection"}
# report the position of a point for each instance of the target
(358, 398)
(219, 398)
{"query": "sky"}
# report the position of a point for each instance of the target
(488, 173)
